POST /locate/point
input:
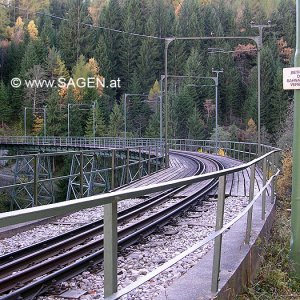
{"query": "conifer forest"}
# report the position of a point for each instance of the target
(50, 39)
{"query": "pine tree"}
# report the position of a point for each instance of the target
(77, 116)
(55, 66)
(48, 34)
(250, 105)
(100, 127)
(177, 53)
(164, 15)
(133, 22)
(153, 129)
(149, 63)
(5, 108)
(56, 116)
(268, 67)
(58, 8)
(190, 19)
(194, 64)
(210, 14)
(194, 68)
(195, 125)
(75, 39)
(116, 121)
(110, 42)
(30, 59)
(227, 17)
(30, 7)
(4, 21)
(244, 20)
(102, 54)
(183, 109)
(285, 19)
(139, 111)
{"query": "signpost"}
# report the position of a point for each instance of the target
(295, 239)
(291, 78)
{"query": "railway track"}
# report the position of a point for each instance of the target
(67, 255)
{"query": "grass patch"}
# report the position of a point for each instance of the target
(274, 280)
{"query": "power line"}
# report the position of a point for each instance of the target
(82, 23)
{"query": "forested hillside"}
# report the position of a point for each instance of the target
(42, 39)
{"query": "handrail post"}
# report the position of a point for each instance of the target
(113, 161)
(110, 249)
(149, 161)
(35, 179)
(127, 166)
(274, 179)
(263, 197)
(251, 196)
(140, 165)
(218, 239)
(156, 161)
(234, 150)
(81, 174)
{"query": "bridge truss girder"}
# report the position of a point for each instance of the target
(30, 169)
(100, 172)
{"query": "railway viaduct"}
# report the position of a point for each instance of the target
(139, 188)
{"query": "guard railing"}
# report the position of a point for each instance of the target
(118, 167)
(270, 170)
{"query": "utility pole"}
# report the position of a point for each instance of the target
(295, 240)
(162, 77)
(259, 48)
(94, 119)
(25, 121)
(217, 98)
(69, 120)
(45, 121)
(256, 39)
(168, 41)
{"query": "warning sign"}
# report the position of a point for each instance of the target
(291, 78)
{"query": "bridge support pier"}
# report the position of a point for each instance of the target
(32, 169)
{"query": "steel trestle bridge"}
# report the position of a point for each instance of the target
(99, 165)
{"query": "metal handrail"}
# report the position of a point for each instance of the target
(34, 213)
(140, 156)
(191, 249)
(87, 140)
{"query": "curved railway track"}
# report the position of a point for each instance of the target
(62, 257)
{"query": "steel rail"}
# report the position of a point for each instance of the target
(128, 236)
(192, 249)
(48, 247)
(39, 212)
